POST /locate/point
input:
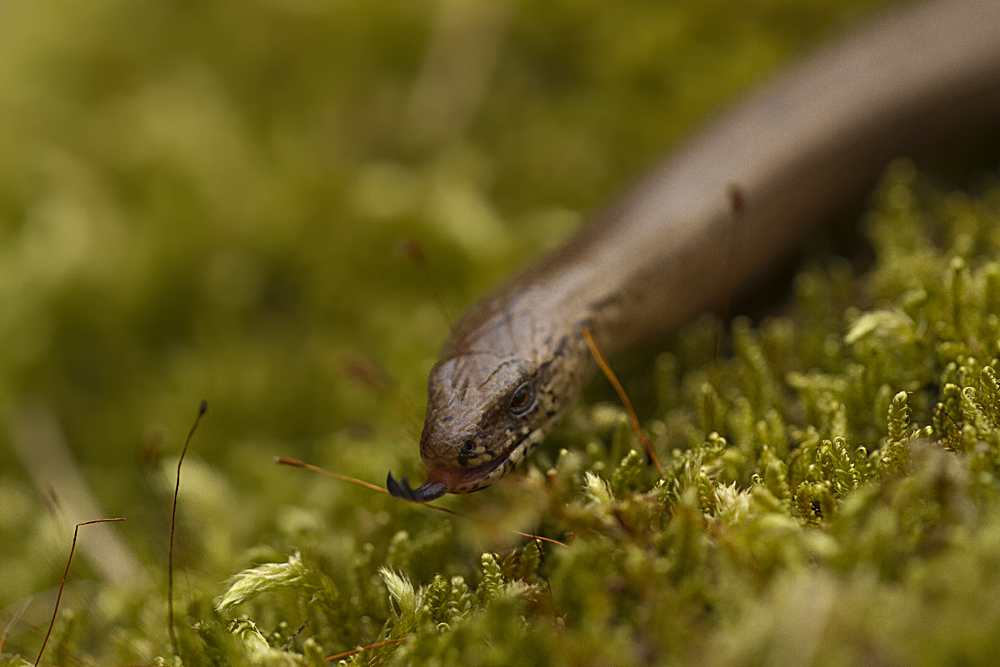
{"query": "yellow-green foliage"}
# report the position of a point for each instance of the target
(203, 200)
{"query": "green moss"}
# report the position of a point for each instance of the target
(205, 201)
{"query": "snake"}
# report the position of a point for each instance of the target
(810, 139)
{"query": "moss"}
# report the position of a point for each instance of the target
(205, 201)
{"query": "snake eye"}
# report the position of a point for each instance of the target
(467, 450)
(521, 401)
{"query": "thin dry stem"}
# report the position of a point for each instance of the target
(173, 523)
(62, 585)
(613, 379)
(345, 654)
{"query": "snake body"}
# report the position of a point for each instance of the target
(813, 138)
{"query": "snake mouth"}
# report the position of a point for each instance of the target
(448, 480)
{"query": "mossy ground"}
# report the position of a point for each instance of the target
(206, 200)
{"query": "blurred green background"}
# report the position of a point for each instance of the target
(208, 200)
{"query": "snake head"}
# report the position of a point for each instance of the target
(487, 412)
